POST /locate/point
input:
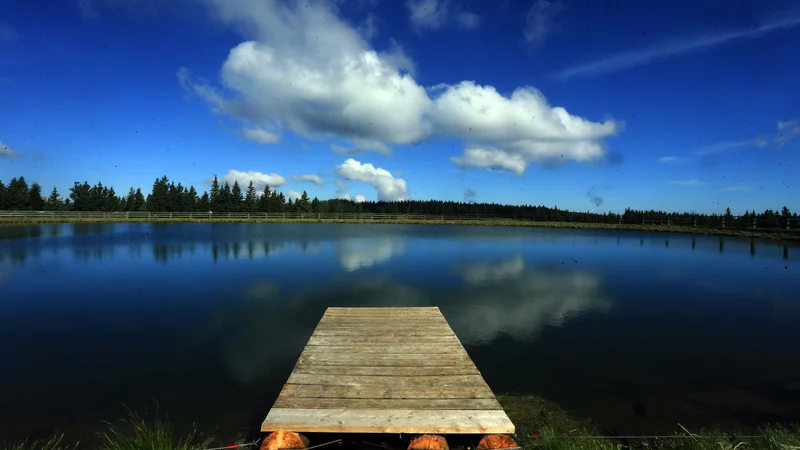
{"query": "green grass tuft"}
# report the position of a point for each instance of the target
(53, 443)
(138, 433)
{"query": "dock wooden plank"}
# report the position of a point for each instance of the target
(317, 369)
(388, 421)
(383, 392)
(386, 370)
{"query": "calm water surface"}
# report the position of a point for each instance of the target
(638, 331)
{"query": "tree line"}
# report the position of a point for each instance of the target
(166, 196)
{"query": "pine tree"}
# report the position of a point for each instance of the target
(80, 196)
(54, 202)
(225, 197)
(250, 204)
(303, 205)
(139, 202)
(17, 194)
(264, 200)
(236, 197)
(190, 200)
(35, 199)
(204, 204)
(3, 196)
(214, 199)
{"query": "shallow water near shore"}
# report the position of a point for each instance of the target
(637, 331)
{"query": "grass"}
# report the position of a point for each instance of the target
(137, 433)
(542, 424)
(132, 433)
(785, 235)
(54, 443)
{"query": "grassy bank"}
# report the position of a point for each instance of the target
(540, 424)
(785, 235)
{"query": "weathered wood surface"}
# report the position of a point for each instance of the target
(386, 370)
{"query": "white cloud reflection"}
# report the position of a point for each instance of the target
(355, 254)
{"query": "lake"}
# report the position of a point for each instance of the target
(635, 330)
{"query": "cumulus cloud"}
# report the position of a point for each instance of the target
(294, 195)
(358, 198)
(305, 70)
(7, 152)
(260, 136)
(258, 178)
(539, 22)
(389, 188)
(469, 194)
(787, 131)
(308, 179)
(687, 183)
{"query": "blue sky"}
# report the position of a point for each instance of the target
(675, 105)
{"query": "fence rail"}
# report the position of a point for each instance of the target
(737, 222)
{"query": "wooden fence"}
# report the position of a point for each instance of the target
(740, 222)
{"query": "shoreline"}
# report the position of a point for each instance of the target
(775, 235)
(539, 423)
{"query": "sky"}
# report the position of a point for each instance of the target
(590, 106)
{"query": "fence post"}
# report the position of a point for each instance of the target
(723, 221)
(668, 222)
(642, 220)
(284, 214)
(788, 223)
(695, 221)
(128, 215)
(754, 221)
(170, 214)
(148, 215)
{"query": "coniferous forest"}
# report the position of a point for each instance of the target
(166, 196)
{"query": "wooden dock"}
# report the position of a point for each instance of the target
(386, 370)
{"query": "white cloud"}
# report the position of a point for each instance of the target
(723, 146)
(359, 198)
(539, 22)
(787, 125)
(307, 71)
(308, 179)
(260, 136)
(509, 133)
(787, 131)
(431, 15)
(736, 188)
(468, 20)
(674, 47)
(687, 183)
(672, 159)
(7, 152)
(389, 188)
(294, 195)
(258, 178)
(426, 15)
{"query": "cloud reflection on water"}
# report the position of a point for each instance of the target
(508, 298)
(355, 254)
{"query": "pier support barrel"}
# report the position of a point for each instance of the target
(429, 442)
(496, 442)
(284, 439)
